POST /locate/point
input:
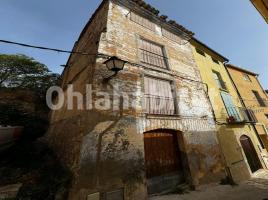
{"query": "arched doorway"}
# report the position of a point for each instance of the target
(164, 167)
(251, 154)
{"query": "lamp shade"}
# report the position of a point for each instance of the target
(115, 64)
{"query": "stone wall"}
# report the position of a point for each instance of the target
(105, 148)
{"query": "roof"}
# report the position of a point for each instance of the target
(163, 18)
(242, 69)
(262, 7)
(210, 49)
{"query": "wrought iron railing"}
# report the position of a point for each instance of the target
(159, 105)
(153, 59)
(240, 115)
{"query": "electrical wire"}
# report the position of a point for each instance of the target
(85, 53)
(50, 49)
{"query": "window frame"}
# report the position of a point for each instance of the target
(246, 77)
(221, 84)
(259, 99)
(163, 49)
(173, 92)
(172, 35)
(142, 24)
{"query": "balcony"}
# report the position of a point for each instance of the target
(153, 59)
(240, 115)
(159, 105)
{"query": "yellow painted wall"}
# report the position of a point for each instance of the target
(245, 89)
(206, 66)
(228, 134)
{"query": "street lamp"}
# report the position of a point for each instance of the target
(115, 65)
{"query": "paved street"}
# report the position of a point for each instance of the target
(254, 189)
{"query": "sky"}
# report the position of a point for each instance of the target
(233, 28)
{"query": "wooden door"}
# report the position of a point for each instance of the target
(161, 153)
(251, 154)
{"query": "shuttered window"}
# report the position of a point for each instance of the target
(158, 97)
(152, 54)
(142, 21)
(230, 107)
(171, 36)
(259, 99)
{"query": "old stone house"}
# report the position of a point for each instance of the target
(166, 137)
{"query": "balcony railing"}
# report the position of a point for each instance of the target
(153, 59)
(241, 115)
(159, 105)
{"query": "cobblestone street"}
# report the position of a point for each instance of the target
(254, 189)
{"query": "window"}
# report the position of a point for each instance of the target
(142, 21)
(158, 97)
(259, 99)
(200, 52)
(230, 107)
(152, 54)
(171, 36)
(218, 79)
(215, 61)
(246, 77)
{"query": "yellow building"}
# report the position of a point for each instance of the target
(240, 144)
(262, 7)
(253, 96)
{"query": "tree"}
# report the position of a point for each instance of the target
(25, 82)
(20, 71)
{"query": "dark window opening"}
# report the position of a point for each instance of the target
(260, 100)
(200, 52)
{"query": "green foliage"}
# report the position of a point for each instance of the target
(20, 71)
(13, 115)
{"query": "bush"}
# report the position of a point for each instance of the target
(13, 115)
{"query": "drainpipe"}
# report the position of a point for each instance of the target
(243, 103)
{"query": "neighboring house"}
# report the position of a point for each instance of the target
(262, 7)
(238, 140)
(253, 96)
(168, 137)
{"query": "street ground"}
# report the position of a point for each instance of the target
(254, 189)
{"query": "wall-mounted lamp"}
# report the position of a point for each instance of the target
(115, 65)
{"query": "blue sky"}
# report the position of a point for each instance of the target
(232, 27)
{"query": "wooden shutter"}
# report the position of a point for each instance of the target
(152, 54)
(158, 96)
(171, 36)
(230, 107)
(142, 21)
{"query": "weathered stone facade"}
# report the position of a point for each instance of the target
(105, 148)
